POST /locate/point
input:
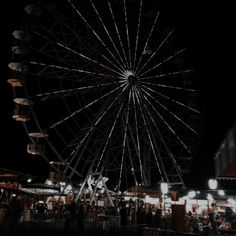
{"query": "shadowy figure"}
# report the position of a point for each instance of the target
(149, 218)
(157, 218)
(80, 218)
(66, 215)
(123, 215)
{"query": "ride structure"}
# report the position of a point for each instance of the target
(110, 90)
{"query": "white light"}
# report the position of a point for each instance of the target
(29, 180)
(231, 201)
(221, 192)
(209, 197)
(151, 200)
(192, 194)
(164, 187)
(67, 189)
(48, 182)
(185, 197)
(212, 183)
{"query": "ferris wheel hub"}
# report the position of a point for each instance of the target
(130, 76)
(132, 79)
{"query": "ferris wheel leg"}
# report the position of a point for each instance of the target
(92, 185)
(100, 178)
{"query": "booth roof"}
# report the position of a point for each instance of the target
(13, 176)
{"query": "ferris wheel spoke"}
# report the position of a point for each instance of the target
(168, 151)
(49, 53)
(165, 122)
(147, 41)
(61, 44)
(109, 35)
(169, 87)
(124, 140)
(137, 137)
(118, 34)
(75, 151)
(60, 157)
(70, 69)
(85, 107)
(174, 115)
(169, 74)
(88, 161)
(132, 164)
(67, 92)
(69, 49)
(79, 154)
(138, 31)
(52, 42)
(127, 33)
(121, 171)
(82, 147)
(85, 161)
(109, 136)
(139, 166)
(163, 62)
(175, 170)
(170, 99)
(68, 75)
(95, 33)
(109, 61)
(154, 53)
(157, 157)
(89, 59)
(79, 39)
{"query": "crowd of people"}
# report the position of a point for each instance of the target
(215, 223)
(81, 215)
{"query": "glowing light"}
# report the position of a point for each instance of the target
(209, 197)
(221, 192)
(164, 187)
(231, 201)
(212, 183)
(192, 194)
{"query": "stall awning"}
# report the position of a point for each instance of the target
(7, 175)
(41, 189)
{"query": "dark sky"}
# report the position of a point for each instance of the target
(208, 31)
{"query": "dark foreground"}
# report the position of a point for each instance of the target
(58, 229)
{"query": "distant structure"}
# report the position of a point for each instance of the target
(225, 158)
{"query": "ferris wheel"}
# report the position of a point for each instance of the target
(107, 87)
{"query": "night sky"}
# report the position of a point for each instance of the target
(208, 31)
